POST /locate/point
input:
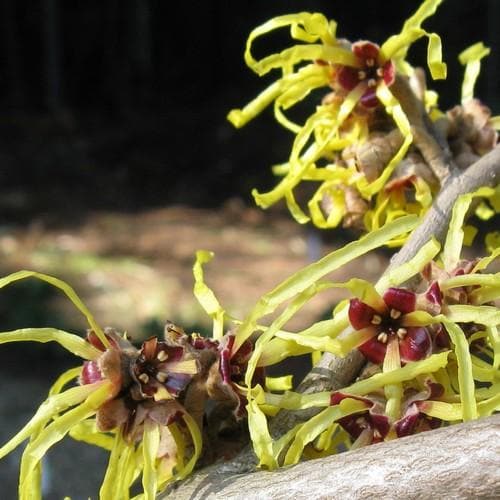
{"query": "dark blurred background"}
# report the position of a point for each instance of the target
(117, 163)
(122, 104)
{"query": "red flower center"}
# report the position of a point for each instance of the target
(371, 71)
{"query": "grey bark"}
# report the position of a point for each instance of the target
(459, 462)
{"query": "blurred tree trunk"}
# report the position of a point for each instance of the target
(11, 49)
(52, 54)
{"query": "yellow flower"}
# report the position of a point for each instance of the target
(360, 75)
(126, 401)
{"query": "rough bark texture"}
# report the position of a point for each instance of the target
(460, 462)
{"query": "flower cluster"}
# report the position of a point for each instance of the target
(433, 351)
(432, 348)
(146, 404)
(369, 146)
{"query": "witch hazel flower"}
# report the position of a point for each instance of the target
(374, 425)
(371, 69)
(381, 319)
(361, 75)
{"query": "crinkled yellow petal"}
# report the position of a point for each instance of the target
(296, 304)
(296, 400)
(411, 268)
(311, 429)
(484, 294)
(114, 470)
(492, 241)
(393, 108)
(483, 315)
(407, 372)
(130, 468)
(285, 92)
(206, 296)
(31, 489)
(488, 406)
(279, 349)
(288, 58)
(64, 379)
(262, 441)
(338, 208)
(454, 239)
(295, 211)
(450, 412)
(470, 280)
(314, 26)
(295, 88)
(240, 117)
(66, 289)
(350, 338)
(87, 432)
(150, 447)
(324, 344)
(72, 343)
(197, 440)
(484, 212)
(48, 409)
(465, 377)
(299, 163)
(435, 62)
(397, 46)
(312, 273)
(483, 371)
(494, 339)
(426, 9)
(393, 392)
(483, 263)
(55, 431)
(284, 383)
(471, 59)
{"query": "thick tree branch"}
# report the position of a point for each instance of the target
(460, 462)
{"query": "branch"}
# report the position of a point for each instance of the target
(460, 462)
(485, 172)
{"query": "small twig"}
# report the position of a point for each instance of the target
(426, 138)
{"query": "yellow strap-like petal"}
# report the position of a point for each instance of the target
(150, 447)
(311, 429)
(393, 108)
(48, 409)
(283, 383)
(465, 377)
(407, 372)
(206, 296)
(304, 278)
(451, 412)
(471, 59)
(55, 431)
(66, 289)
(72, 343)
